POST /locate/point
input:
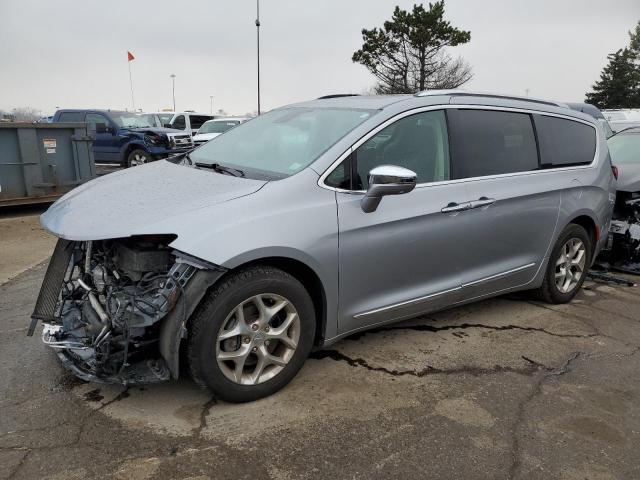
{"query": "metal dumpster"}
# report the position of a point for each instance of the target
(40, 162)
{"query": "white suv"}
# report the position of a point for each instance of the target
(185, 121)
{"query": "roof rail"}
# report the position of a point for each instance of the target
(465, 93)
(339, 95)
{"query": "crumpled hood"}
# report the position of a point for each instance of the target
(628, 177)
(131, 201)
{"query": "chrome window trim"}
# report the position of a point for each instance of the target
(395, 118)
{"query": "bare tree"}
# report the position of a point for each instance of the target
(26, 114)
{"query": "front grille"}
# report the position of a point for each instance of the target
(52, 284)
(181, 141)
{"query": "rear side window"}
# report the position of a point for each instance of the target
(197, 121)
(487, 142)
(71, 117)
(564, 142)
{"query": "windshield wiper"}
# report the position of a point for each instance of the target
(221, 169)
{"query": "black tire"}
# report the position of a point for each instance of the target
(549, 291)
(137, 157)
(214, 310)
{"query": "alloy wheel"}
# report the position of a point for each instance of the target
(138, 159)
(258, 339)
(570, 265)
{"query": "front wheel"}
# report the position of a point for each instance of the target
(138, 157)
(568, 266)
(251, 335)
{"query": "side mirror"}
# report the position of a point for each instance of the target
(387, 180)
(101, 128)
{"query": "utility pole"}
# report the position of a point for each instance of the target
(211, 98)
(173, 89)
(258, 37)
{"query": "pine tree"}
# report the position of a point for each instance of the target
(409, 53)
(619, 84)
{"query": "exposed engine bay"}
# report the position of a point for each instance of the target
(623, 248)
(106, 319)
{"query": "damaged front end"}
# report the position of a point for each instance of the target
(623, 249)
(115, 311)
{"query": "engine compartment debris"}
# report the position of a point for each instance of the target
(114, 294)
(623, 247)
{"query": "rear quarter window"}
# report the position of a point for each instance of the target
(71, 117)
(198, 120)
(564, 142)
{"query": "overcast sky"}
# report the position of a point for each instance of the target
(72, 53)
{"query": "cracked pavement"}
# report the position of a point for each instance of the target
(505, 388)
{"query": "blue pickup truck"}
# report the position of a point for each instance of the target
(128, 138)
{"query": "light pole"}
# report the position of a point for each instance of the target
(258, 37)
(173, 89)
(211, 98)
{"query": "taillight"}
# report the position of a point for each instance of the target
(614, 169)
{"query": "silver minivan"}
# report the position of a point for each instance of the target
(315, 221)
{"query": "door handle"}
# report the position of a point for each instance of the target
(454, 207)
(482, 202)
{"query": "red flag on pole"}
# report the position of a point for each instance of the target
(130, 56)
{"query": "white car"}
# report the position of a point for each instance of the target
(213, 128)
(186, 121)
(619, 119)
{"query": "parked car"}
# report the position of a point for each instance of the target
(619, 119)
(595, 113)
(212, 128)
(624, 246)
(128, 138)
(315, 221)
(188, 122)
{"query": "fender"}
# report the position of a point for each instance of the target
(128, 141)
(173, 328)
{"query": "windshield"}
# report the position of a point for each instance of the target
(136, 120)
(282, 142)
(625, 148)
(219, 126)
(165, 117)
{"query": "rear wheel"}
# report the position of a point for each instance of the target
(138, 157)
(251, 335)
(568, 266)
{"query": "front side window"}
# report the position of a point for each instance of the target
(565, 142)
(488, 142)
(418, 142)
(94, 118)
(179, 123)
(282, 142)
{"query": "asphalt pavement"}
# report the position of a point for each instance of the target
(505, 388)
